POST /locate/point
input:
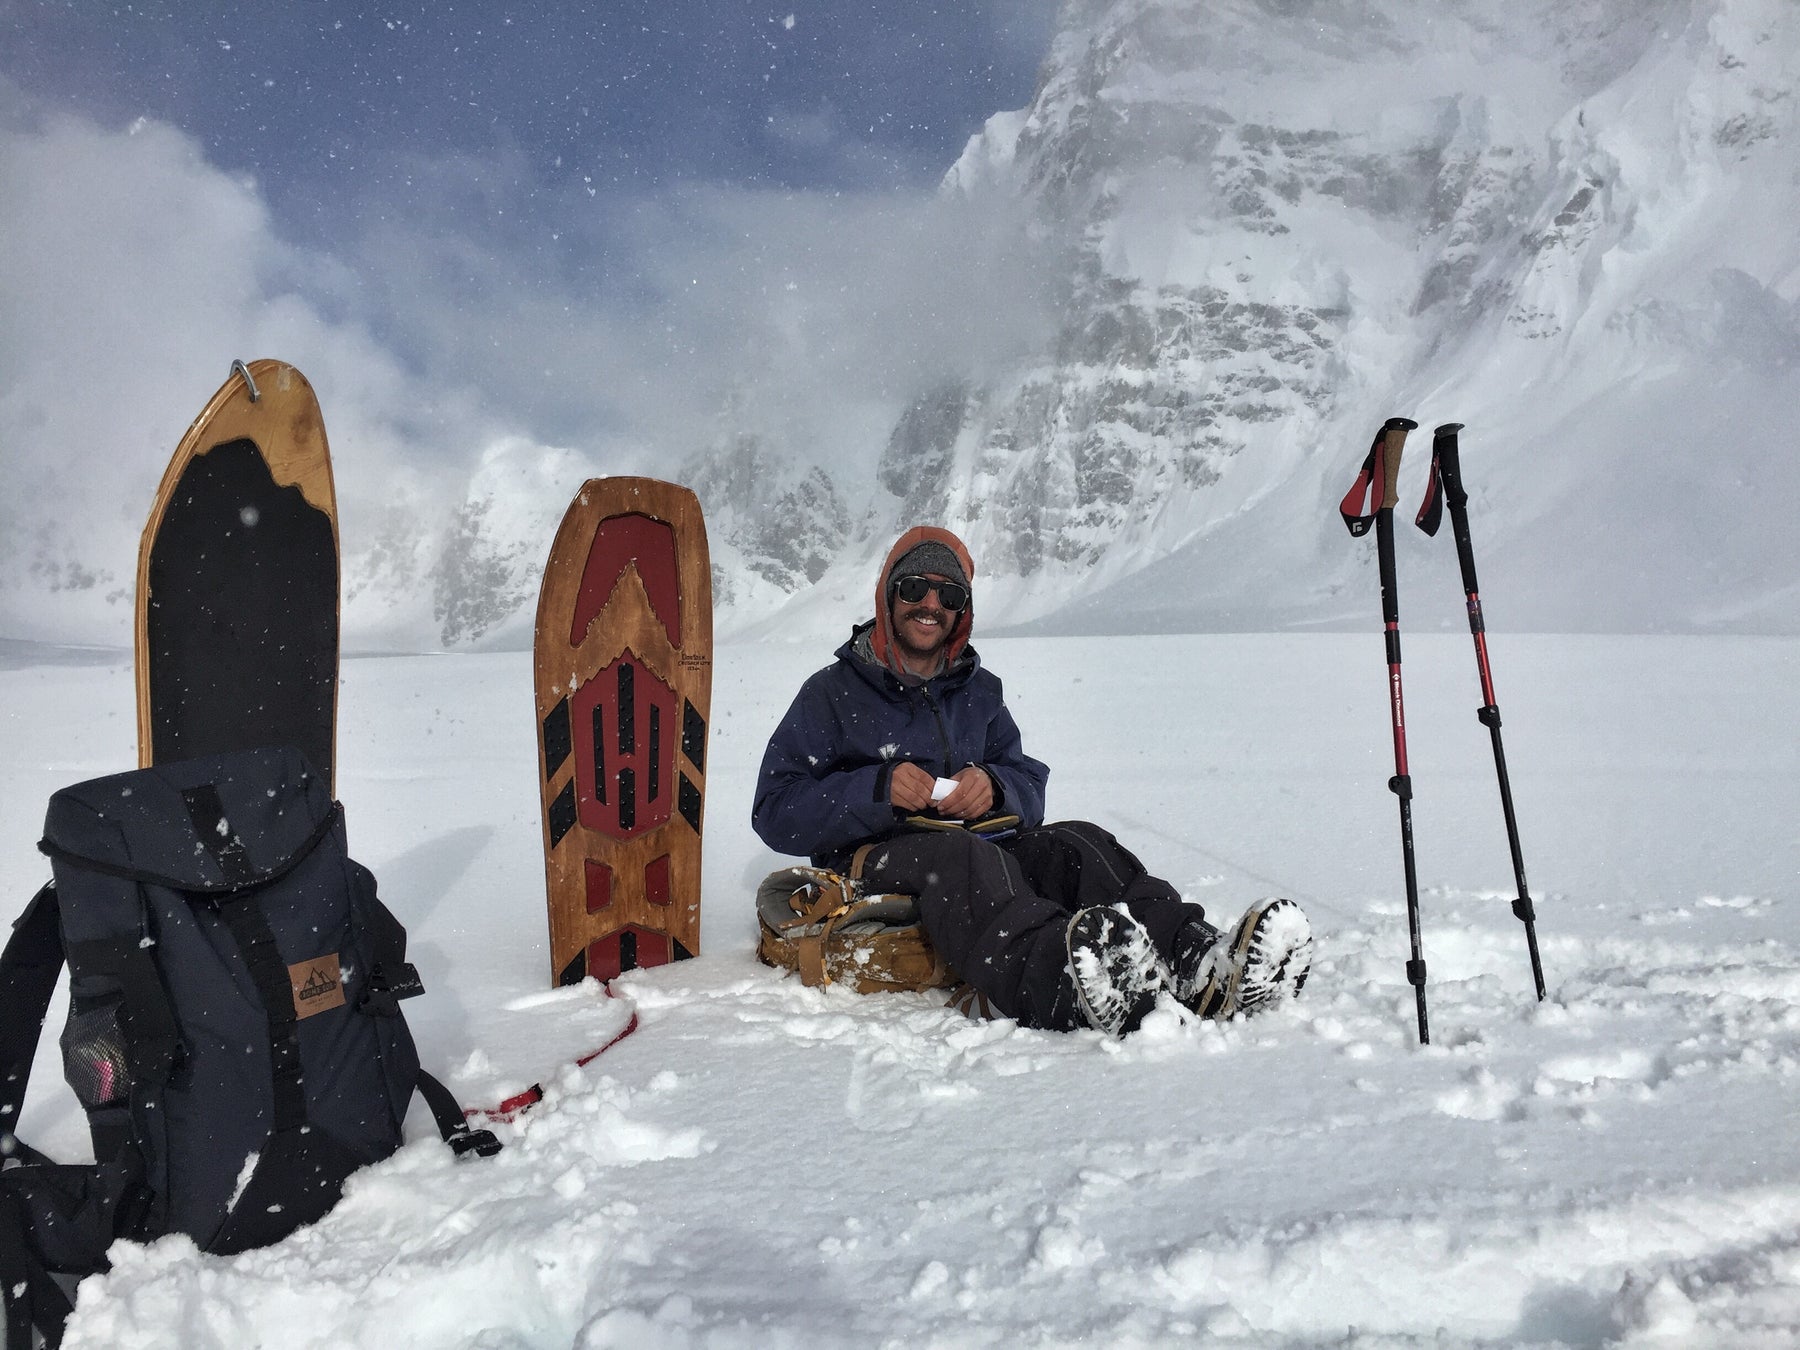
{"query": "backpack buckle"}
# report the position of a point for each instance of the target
(386, 986)
(482, 1143)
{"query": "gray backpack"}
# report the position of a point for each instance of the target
(234, 1030)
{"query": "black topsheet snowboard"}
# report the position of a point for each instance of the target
(238, 582)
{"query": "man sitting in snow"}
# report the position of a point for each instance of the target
(904, 750)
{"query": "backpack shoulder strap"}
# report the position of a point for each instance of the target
(28, 970)
(32, 1299)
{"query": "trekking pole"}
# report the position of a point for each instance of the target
(1446, 487)
(1381, 475)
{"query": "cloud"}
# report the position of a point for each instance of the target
(630, 331)
(134, 273)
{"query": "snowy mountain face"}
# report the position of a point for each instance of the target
(1564, 225)
(1166, 306)
(785, 522)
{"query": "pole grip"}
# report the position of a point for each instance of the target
(1445, 449)
(1456, 497)
(1393, 441)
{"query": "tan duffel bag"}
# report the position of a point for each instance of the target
(821, 924)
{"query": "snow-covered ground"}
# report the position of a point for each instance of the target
(761, 1165)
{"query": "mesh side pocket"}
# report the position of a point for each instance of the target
(93, 1051)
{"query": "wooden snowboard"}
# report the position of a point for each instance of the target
(237, 585)
(623, 664)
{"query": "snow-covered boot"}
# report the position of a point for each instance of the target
(1115, 969)
(1263, 961)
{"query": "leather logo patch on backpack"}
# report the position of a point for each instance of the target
(318, 986)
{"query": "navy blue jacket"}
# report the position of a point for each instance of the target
(823, 789)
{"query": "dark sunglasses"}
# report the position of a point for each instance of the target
(951, 595)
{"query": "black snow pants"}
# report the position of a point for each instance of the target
(998, 913)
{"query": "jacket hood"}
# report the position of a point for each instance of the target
(858, 652)
(882, 639)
